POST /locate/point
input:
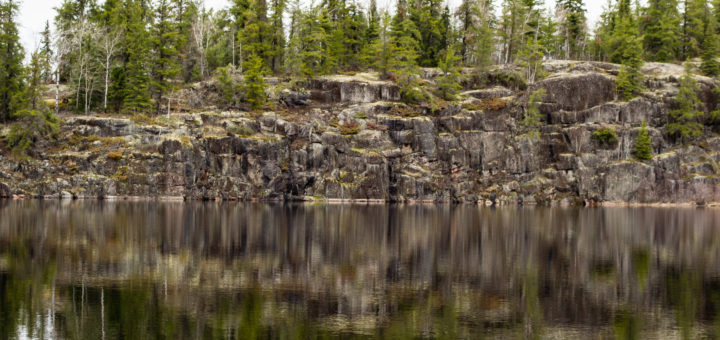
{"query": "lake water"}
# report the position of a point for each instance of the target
(164, 270)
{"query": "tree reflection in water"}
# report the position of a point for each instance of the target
(134, 270)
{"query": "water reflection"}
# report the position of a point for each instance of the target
(135, 270)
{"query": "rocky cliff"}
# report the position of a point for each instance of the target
(355, 141)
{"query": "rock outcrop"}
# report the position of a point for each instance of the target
(361, 145)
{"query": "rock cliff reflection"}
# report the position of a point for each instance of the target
(134, 270)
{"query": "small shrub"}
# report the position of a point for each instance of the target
(31, 127)
(361, 115)
(606, 136)
(643, 150)
(493, 104)
(230, 88)
(411, 95)
(114, 155)
(533, 117)
(349, 128)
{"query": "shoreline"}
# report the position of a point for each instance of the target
(339, 201)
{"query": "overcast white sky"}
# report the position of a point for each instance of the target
(34, 13)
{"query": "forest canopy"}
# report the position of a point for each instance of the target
(130, 56)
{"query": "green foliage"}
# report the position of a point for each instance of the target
(11, 56)
(684, 120)
(34, 81)
(254, 83)
(661, 38)
(448, 84)
(31, 126)
(433, 26)
(164, 39)
(710, 66)
(627, 51)
(605, 136)
(312, 44)
(230, 89)
(533, 117)
(643, 149)
(135, 93)
(404, 37)
(573, 28)
(349, 128)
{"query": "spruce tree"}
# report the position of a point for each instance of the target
(448, 83)
(380, 53)
(405, 37)
(46, 53)
(627, 45)
(254, 83)
(11, 57)
(533, 116)
(642, 149)
(135, 94)
(573, 28)
(684, 119)
(312, 41)
(432, 27)
(662, 31)
(483, 34)
(277, 37)
(35, 80)
(710, 66)
(693, 27)
(511, 26)
(164, 63)
(531, 53)
(240, 11)
(257, 34)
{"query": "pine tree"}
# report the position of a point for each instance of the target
(662, 31)
(292, 60)
(135, 93)
(187, 12)
(693, 27)
(627, 50)
(573, 28)
(163, 39)
(35, 80)
(533, 116)
(380, 53)
(684, 120)
(257, 35)
(312, 40)
(405, 36)
(432, 25)
(710, 66)
(277, 38)
(254, 83)
(643, 149)
(241, 12)
(46, 53)
(448, 83)
(484, 36)
(11, 56)
(476, 32)
(531, 53)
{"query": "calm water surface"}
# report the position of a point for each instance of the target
(151, 270)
